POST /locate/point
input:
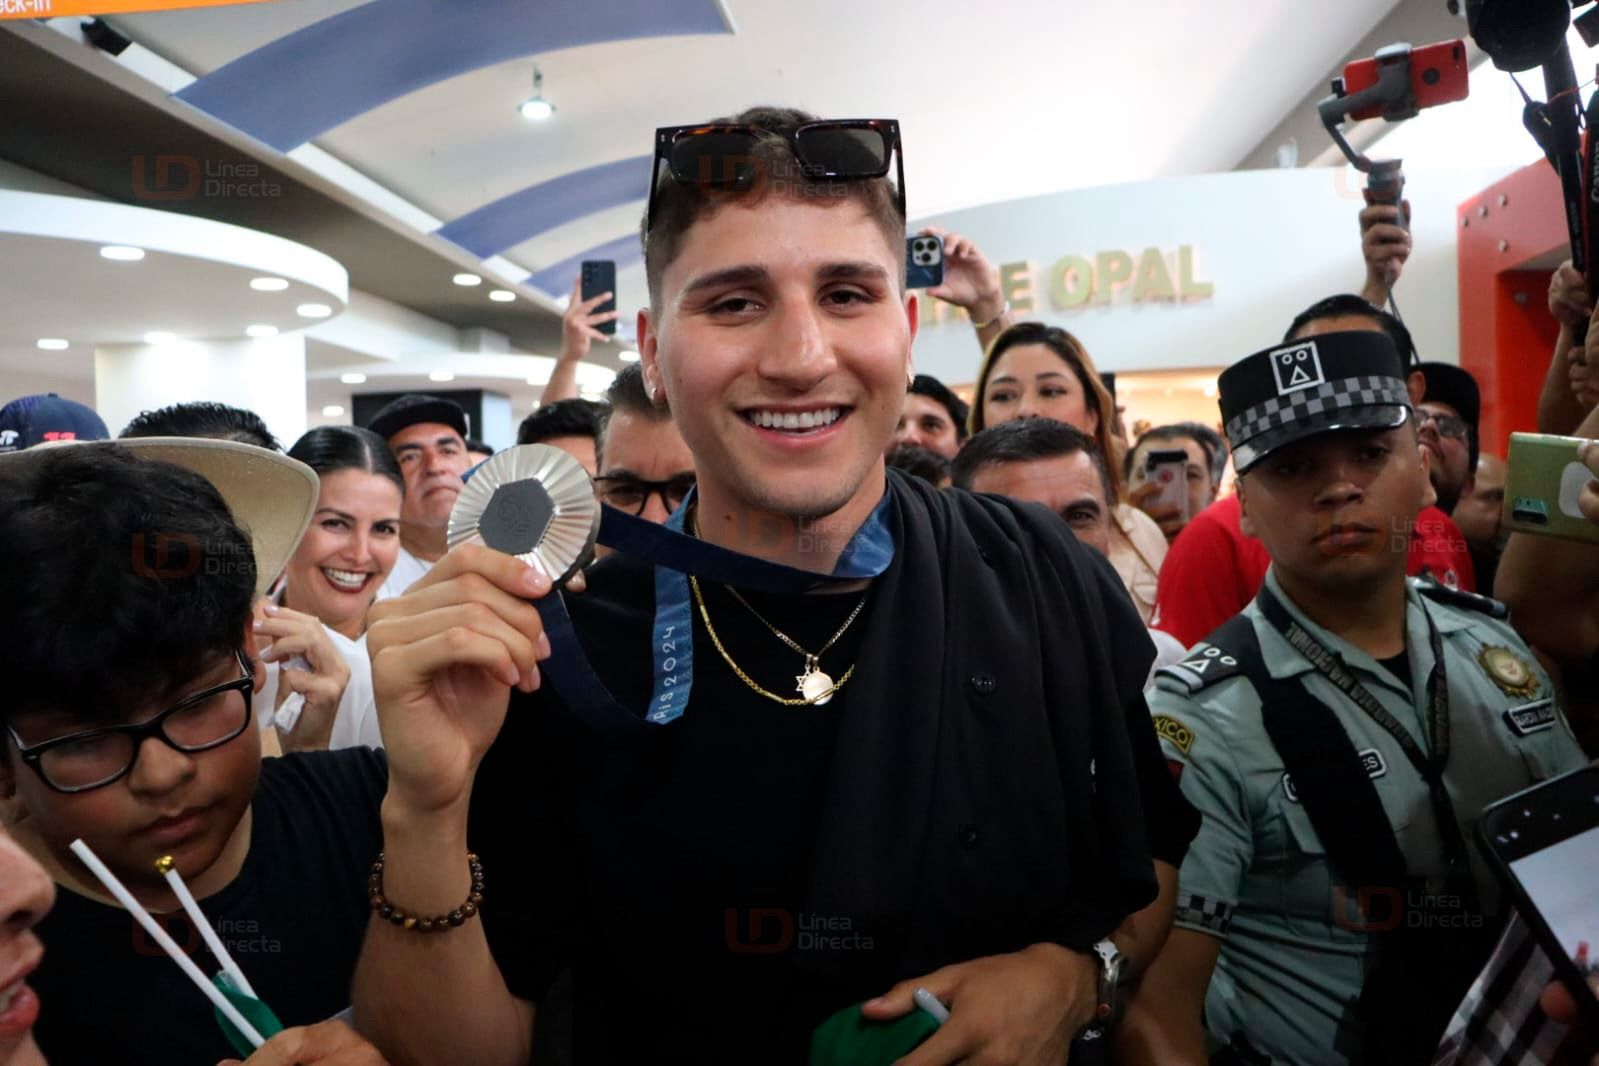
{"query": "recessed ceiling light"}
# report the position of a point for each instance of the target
(467, 280)
(268, 284)
(260, 332)
(332, 410)
(157, 336)
(502, 296)
(353, 379)
(441, 375)
(313, 310)
(53, 344)
(629, 356)
(122, 253)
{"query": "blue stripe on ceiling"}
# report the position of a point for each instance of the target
(300, 86)
(556, 279)
(525, 214)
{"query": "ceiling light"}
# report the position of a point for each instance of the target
(313, 310)
(158, 336)
(268, 284)
(353, 379)
(467, 280)
(502, 296)
(441, 375)
(122, 253)
(53, 344)
(629, 356)
(535, 108)
(332, 410)
(260, 332)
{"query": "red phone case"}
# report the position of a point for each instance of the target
(1438, 75)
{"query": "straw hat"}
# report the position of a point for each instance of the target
(272, 497)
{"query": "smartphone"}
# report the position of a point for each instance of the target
(924, 262)
(599, 275)
(1168, 468)
(1543, 485)
(1438, 75)
(1544, 844)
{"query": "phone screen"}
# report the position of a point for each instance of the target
(1560, 880)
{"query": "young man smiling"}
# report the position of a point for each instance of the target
(921, 776)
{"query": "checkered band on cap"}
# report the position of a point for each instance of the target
(1328, 397)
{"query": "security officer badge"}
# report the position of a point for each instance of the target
(1513, 674)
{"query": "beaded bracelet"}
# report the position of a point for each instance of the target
(391, 913)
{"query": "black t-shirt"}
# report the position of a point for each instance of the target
(670, 866)
(293, 920)
(1399, 666)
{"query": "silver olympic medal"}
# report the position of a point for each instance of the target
(534, 502)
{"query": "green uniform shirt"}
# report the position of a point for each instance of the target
(1257, 876)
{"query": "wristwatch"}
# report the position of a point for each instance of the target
(1111, 1001)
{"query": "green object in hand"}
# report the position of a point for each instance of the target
(849, 1038)
(255, 1012)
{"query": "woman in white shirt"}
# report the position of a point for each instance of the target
(319, 680)
(1036, 371)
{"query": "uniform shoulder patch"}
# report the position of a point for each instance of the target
(1467, 601)
(1173, 732)
(1203, 666)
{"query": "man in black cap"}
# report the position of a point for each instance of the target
(428, 437)
(1446, 422)
(1340, 737)
(32, 420)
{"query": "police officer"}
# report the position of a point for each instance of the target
(1340, 737)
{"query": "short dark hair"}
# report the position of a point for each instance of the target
(1176, 431)
(475, 445)
(1215, 446)
(1024, 440)
(128, 576)
(678, 207)
(625, 393)
(1349, 304)
(921, 462)
(203, 418)
(563, 418)
(959, 410)
(329, 449)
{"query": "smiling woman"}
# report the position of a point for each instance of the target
(319, 617)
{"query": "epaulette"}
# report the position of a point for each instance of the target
(1204, 666)
(1466, 601)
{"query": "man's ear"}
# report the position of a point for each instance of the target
(1416, 385)
(1245, 523)
(649, 346)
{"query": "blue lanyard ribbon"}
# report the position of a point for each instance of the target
(676, 555)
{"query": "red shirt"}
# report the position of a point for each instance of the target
(1213, 570)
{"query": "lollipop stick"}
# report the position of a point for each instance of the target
(212, 941)
(190, 970)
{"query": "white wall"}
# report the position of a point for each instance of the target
(1270, 243)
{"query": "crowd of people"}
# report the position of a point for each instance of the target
(973, 743)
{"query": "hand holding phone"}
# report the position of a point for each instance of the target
(1544, 845)
(1544, 487)
(599, 276)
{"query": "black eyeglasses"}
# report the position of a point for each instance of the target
(94, 758)
(723, 157)
(1447, 425)
(630, 494)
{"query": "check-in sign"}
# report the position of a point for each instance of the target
(44, 9)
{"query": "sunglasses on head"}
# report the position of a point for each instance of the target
(723, 157)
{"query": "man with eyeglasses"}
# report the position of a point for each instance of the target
(1446, 420)
(645, 466)
(128, 721)
(919, 773)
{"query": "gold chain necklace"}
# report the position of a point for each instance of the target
(815, 686)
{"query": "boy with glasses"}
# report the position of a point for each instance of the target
(129, 722)
(920, 776)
